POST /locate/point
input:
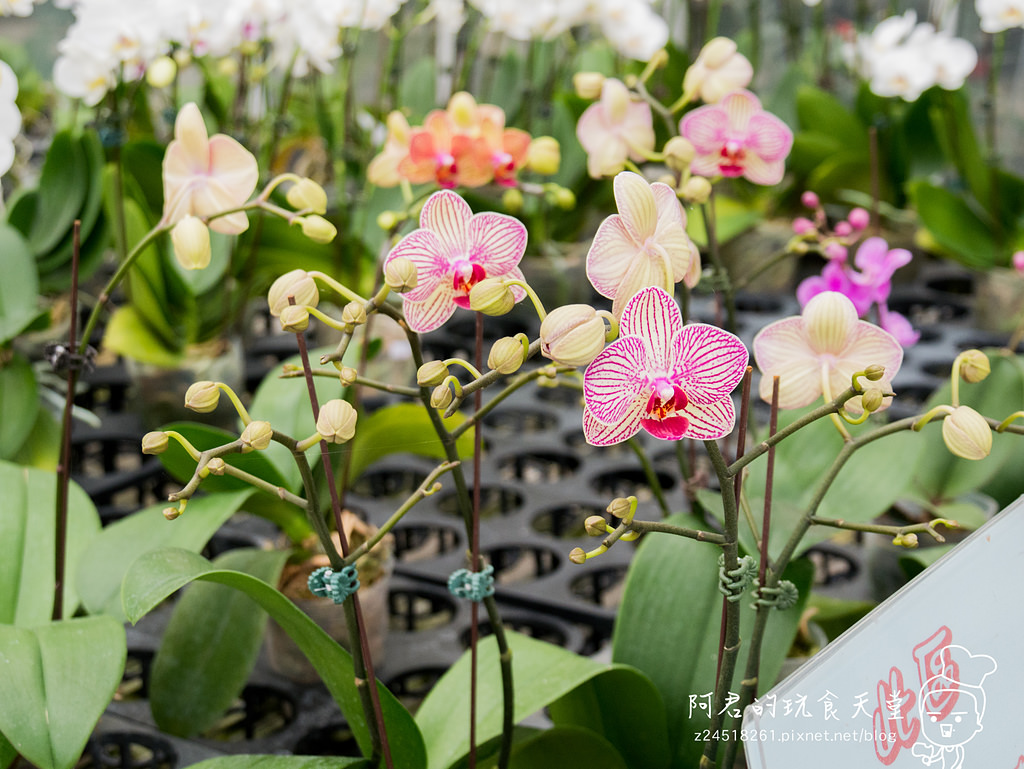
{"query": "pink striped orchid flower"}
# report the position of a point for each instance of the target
(672, 380)
(453, 250)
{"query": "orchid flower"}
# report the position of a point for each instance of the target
(737, 138)
(204, 175)
(718, 70)
(645, 244)
(817, 353)
(453, 250)
(999, 15)
(674, 381)
(614, 130)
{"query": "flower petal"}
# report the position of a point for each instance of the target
(644, 271)
(760, 171)
(448, 215)
(769, 137)
(868, 345)
(782, 349)
(190, 132)
(709, 363)
(611, 253)
(711, 421)
(669, 429)
(616, 378)
(497, 241)
(636, 204)
(740, 106)
(600, 434)
(431, 312)
(829, 319)
(671, 231)
(706, 128)
(653, 316)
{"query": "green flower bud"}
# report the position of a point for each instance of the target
(696, 190)
(506, 356)
(170, 513)
(588, 84)
(202, 397)
(512, 200)
(441, 397)
(347, 376)
(967, 433)
(431, 374)
(216, 466)
(400, 275)
(871, 400)
(974, 366)
(297, 284)
(307, 194)
(155, 442)
(564, 198)
(191, 241)
(161, 72)
(256, 436)
(874, 372)
(544, 155)
(337, 421)
(353, 314)
(679, 153)
(317, 229)
(572, 335)
(578, 555)
(908, 540)
(295, 318)
(596, 526)
(491, 297)
(620, 507)
(387, 220)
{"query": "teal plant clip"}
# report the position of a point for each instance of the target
(732, 584)
(472, 585)
(784, 596)
(336, 585)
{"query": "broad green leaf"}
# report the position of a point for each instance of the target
(668, 626)
(210, 646)
(567, 746)
(416, 92)
(402, 428)
(551, 671)
(732, 218)
(27, 530)
(157, 574)
(58, 679)
(822, 113)
(960, 232)
(836, 615)
(281, 762)
(19, 290)
(63, 185)
(7, 753)
(107, 558)
(42, 447)
(638, 730)
(913, 562)
(846, 171)
(19, 399)
(129, 334)
(953, 125)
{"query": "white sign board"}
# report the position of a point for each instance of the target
(933, 677)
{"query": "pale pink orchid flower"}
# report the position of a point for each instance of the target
(817, 353)
(614, 130)
(645, 244)
(204, 175)
(735, 137)
(718, 70)
(672, 380)
(453, 250)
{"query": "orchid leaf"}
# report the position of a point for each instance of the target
(565, 746)
(63, 185)
(19, 290)
(181, 466)
(58, 679)
(157, 574)
(281, 762)
(20, 399)
(960, 232)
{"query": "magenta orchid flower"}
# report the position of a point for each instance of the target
(645, 244)
(673, 381)
(204, 175)
(817, 353)
(735, 137)
(453, 250)
(614, 130)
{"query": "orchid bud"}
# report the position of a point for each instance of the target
(810, 200)
(620, 507)
(506, 356)
(400, 274)
(256, 436)
(295, 318)
(679, 153)
(572, 335)
(564, 198)
(191, 241)
(155, 442)
(347, 376)
(967, 434)
(908, 540)
(170, 513)
(431, 373)
(462, 108)
(872, 399)
(387, 220)
(317, 229)
(974, 366)
(803, 226)
(512, 200)
(161, 72)
(441, 397)
(307, 194)
(874, 372)
(353, 314)
(216, 466)
(696, 190)
(615, 99)
(297, 284)
(337, 421)
(595, 525)
(717, 51)
(836, 252)
(202, 396)
(843, 229)
(577, 555)
(859, 218)
(588, 84)
(544, 155)
(491, 297)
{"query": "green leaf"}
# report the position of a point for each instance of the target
(953, 125)
(180, 465)
(416, 92)
(7, 753)
(913, 562)
(678, 577)
(107, 558)
(624, 707)
(58, 679)
(210, 646)
(567, 746)
(551, 671)
(732, 218)
(836, 615)
(19, 290)
(157, 574)
(402, 428)
(213, 275)
(27, 531)
(960, 232)
(129, 334)
(20, 400)
(63, 185)
(822, 113)
(280, 762)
